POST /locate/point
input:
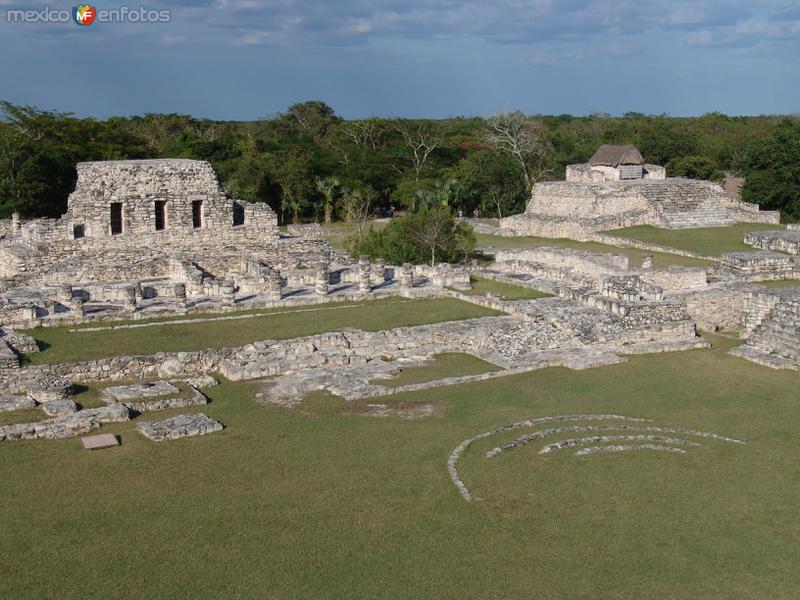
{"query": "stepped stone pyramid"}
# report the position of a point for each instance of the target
(616, 188)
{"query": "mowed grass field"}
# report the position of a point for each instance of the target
(635, 255)
(711, 241)
(59, 344)
(289, 503)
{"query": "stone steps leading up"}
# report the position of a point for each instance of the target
(779, 332)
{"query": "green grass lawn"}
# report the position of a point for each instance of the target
(448, 364)
(507, 291)
(711, 241)
(660, 259)
(287, 503)
(62, 345)
(779, 283)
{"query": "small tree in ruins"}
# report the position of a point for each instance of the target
(356, 207)
(435, 229)
(513, 134)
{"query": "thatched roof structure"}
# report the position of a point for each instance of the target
(609, 155)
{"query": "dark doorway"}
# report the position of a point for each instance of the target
(161, 214)
(238, 215)
(116, 218)
(78, 231)
(197, 214)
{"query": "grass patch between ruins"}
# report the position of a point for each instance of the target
(61, 345)
(287, 504)
(506, 291)
(711, 241)
(448, 364)
(660, 260)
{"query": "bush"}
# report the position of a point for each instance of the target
(428, 235)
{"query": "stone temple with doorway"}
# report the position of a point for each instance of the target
(615, 189)
(142, 238)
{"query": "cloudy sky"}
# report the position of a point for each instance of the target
(242, 59)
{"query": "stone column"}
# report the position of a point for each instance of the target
(647, 262)
(321, 281)
(378, 272)
(65, 295)
(180, 294)
(129, 298)
(16, 226)
(138, 292)
(406, 276)
(275, 287)
(228, 292)
(77, 306)
(364, 275)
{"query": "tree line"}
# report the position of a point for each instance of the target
(310, 164)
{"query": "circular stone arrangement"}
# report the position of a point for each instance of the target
(636, 435)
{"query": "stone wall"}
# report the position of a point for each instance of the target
(586, 173)
(781, 241)
(757, 266)
(719, 307)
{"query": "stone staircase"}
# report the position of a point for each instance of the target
(779, 332)
(687, 204)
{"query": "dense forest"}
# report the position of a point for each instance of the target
(310, 164)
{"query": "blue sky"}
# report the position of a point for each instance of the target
(244, 59)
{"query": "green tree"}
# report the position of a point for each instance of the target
(695, 167)
(771, 168)
(292, 173)
(430, 234)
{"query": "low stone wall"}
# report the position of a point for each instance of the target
(757, 266)
(649, 246)
(9, 362)
(781, 241)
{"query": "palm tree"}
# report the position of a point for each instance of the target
(327, 187)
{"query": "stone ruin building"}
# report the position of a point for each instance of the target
(615, 189)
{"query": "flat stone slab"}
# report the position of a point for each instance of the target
(57, 408)
(99, 442)
(179, 427)
(9, 403)
(123, 393)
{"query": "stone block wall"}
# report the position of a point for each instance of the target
(719, 307)
(757, 266)
(781, 241)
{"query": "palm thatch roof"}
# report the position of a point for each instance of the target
(609, 155)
